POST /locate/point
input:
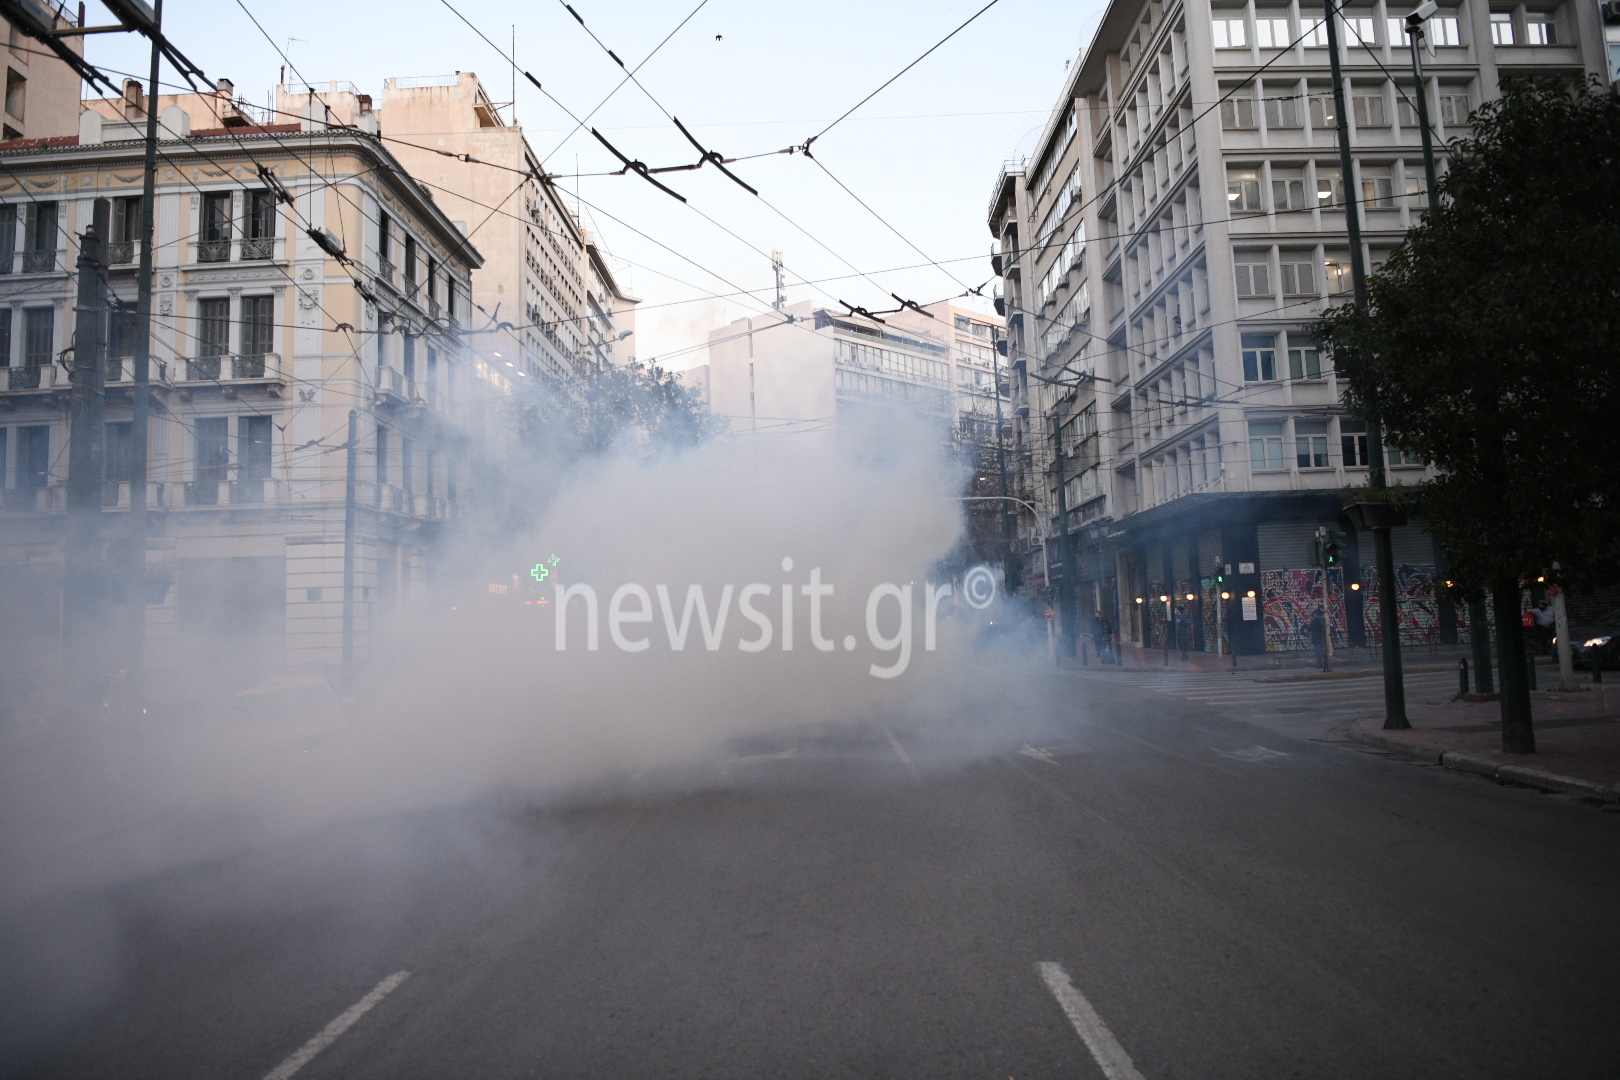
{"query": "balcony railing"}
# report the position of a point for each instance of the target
(38, 262)
(120, 252)
(214, 251)
(261, 248)
(203, 369)
(31, 377)
(251, 490)
(395, 384)
(28, 498)
(247, 367)
(206, 492)
(385, 269)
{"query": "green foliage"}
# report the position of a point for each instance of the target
(644, 405)
(1489, 336)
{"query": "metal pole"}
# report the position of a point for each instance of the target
(1389, 617)
(83, 570)
(1414, 33)
(1066, 611)
(348, 549)
(1001, 464)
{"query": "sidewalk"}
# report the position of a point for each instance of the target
(1577, 739)
(1283, 666)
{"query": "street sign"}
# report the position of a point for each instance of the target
(1245, 567)
(1251, 610)
(1051, 613)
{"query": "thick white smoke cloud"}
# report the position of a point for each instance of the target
(466, 694)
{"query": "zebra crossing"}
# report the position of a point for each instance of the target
(1308, 708)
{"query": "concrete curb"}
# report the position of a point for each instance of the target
(1352, 673)
(1479, 766)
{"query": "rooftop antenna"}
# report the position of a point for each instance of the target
(514, 74)
(776, 264)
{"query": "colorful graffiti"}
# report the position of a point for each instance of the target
(1289, 597)
(1419, 611)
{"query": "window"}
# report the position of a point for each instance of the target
(1502, 28)
(1406, 107)
(1316, 34)
(215, 245)
(1253, 272)
(1310, 444)
(16, 93)
(1282, 107)
(39, 336)
(118, 465)
(1259, 357)
(1395, 32)
(1265, 444)
(1320, 107)
(1329, 187)
(259, 225)
(1287, 189)
(252, 457)
(258, 336)
(385, 247)
(1298, 273)
(433, 286)
(1271, 30)
(410, 261)
(1243, 191)
(1229, 33)
(1377, 187)
(33, 456)
(39, 249)
(8, 236)
(1400, 455)
(213, 338)
(122, 330)
(1304, 361)
(1353, 442)
(408, 359)
(213, 458)
(1237, 112)
(5, 356)
(1444, 30)
(1368, 110)
(1454, 110)
(382, 457)
(1539, 28)
(1339, 277)
(126, 228)
(1360, 30)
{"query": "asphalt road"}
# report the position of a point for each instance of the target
(1123, 881)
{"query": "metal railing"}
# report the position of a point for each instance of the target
(260, 248)
(39, 262)
(203, 369)
(247, 367)
(213, 251)
(120, 252)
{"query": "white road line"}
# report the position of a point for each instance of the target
(1111, 1057)
(900, 752)
(337, 1027)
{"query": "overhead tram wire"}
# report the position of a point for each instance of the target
(628, 76)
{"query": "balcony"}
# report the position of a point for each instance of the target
(35, 377)
(35, 498)
(39, 262)
(264, 367)
(395, 387)
(120, 252)
(385, 269)
(208, 492)
(214, 251)
(203, 369)
(259, 248)
(248, 367)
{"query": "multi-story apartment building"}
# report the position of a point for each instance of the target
(42, 92)
(1165, 249)
(544, 276)
(765, 374)
(282, 306)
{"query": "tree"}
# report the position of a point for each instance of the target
(645, 405)
(1487, 347)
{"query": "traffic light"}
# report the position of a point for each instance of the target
(1333, 547)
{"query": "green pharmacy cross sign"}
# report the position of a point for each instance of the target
(542, 570)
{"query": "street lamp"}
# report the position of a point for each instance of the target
(1169, 626)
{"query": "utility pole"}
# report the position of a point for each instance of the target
(1066, 612)
(84, 574)
(1388, 617)
(348, 547)
(141, 391)
(1001, 464)
(781, 297)
(1327, 595)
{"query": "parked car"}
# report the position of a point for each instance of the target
(1599, 641)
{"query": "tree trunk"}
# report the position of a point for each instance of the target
(1518, 737)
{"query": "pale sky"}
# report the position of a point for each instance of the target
(747, 77)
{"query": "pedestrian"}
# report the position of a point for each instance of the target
(1546, 628)
(1319, 638)
(1107, 638)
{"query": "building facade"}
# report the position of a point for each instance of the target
(42, 92)
(278, 312)
(1164, 251)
